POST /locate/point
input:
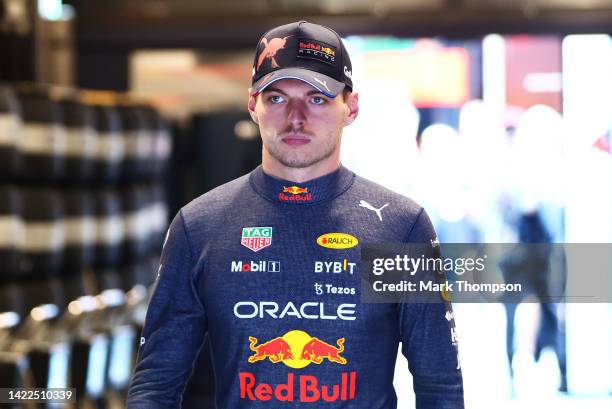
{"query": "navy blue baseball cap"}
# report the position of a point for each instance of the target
(304, 51)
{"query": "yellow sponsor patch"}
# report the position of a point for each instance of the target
(337, 241)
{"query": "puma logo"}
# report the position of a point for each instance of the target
(324, 83)
(365, 204)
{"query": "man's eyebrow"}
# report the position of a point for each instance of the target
(274, 89)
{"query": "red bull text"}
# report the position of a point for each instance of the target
(295, 194)
(309, 389)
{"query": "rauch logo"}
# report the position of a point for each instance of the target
(337, 241)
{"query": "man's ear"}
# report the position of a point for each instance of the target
(352, 103)
(251, 106)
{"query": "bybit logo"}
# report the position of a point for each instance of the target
(335, 267)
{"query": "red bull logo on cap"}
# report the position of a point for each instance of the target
(316, 50)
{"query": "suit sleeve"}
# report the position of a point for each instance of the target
(429, 342)
(174, 327)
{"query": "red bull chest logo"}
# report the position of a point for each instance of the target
(295, 194)
(297, 349)
(309, 388)
(256, 238)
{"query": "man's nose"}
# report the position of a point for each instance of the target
(297, 114)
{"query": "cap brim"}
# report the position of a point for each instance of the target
(324, 84)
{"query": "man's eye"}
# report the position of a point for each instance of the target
(318, 100)
(275, 99)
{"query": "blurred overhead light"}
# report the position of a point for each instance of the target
(543, 82)
(9, 319)
(44, 312)
(54, 10)
(50, 9)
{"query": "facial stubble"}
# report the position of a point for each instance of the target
(296, 159)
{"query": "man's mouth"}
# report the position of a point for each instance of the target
(296, 139)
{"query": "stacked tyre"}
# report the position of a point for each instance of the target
(83, 214)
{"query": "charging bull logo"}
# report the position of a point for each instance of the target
(328, 50)
(295, 190)
(299, 387)
(284, 349)
(317, 350)
(296, 194)
(276, 350)
(270, 49)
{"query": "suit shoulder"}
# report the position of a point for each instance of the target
(402, 217)
(364, 188)
(217, 199)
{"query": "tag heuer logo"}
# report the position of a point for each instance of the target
(256, 238)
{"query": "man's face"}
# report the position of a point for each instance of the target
(301, 127)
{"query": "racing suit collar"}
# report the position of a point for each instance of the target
(317, 190)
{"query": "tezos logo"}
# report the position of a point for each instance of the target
(321, 289)
(256, 238)
(337, 241)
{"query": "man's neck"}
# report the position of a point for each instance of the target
(299, 175)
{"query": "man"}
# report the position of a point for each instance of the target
(267, 264)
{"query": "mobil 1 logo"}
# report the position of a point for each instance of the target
(256, 266)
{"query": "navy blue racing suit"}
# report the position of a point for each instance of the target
(269, 269)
